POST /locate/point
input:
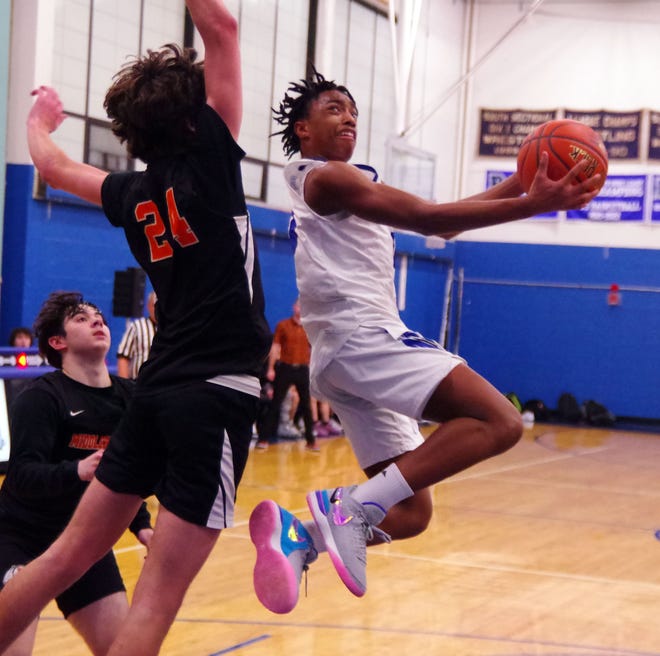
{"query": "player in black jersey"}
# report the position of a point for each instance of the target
(187, 431)
(60, 425)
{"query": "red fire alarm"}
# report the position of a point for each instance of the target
(614, 295)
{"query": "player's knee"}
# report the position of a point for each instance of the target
(409, 517)
(508, 429)
(408, 527)
(418, 523)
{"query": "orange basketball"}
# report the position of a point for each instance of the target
(566, 142)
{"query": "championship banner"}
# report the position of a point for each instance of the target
(620, 199)
(503, 130)
(619, 130)
(655, 207)
(654, 135)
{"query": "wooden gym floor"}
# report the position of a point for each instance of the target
(547, 550)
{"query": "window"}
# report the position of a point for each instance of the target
(95, 38)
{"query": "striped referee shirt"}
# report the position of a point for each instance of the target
(136, 342)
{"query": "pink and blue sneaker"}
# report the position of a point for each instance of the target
(284, 550)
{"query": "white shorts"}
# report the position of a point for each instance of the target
(379, 386)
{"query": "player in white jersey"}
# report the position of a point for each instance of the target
(379, 376)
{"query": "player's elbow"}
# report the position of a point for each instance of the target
(49, 172)
(51, 167)
(229, 24)
(222, 24)
(450, 235)
(428, 228)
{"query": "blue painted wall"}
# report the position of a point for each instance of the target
(535, 320)
(51, 246)
(532, 319)
(63, 245)
(5, 22)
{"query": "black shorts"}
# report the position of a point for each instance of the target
(187, 445)
(101, 580)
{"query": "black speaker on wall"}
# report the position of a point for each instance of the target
(128, 293)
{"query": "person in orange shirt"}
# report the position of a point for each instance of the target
(288, 365)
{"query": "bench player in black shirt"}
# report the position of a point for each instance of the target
(60, 425)
(186, 434)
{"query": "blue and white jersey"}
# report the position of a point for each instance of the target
(344, 269)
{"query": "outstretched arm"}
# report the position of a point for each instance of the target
(222, 61)
(54, 165)
(338, 186)
(509, 188)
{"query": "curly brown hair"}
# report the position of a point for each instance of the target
(154, 100)
(58, 307)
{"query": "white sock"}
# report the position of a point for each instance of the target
(315, 533)
(385, 489)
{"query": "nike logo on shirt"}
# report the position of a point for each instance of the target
(75, 413)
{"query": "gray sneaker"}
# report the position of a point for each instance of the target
(347, 526)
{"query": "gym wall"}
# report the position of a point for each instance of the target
(529, 303)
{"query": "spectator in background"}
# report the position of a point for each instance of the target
(20, 337)
(288, 364)
(324, 423)
(135, 344)
(291, 424)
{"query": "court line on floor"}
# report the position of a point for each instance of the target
(491, 471)
(593, 649)
(511, 569)
(572, 485)
(486, 512)
(387, 552)
(584, 649)
(240, 645)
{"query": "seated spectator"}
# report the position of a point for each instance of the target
(324, 423)
(21, 337)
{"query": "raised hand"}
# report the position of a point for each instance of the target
(567, 193)
(48, 109)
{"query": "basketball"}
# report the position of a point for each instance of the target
(566, 142)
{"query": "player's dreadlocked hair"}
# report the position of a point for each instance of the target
(294, 109)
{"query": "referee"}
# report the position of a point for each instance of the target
(135, 344)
